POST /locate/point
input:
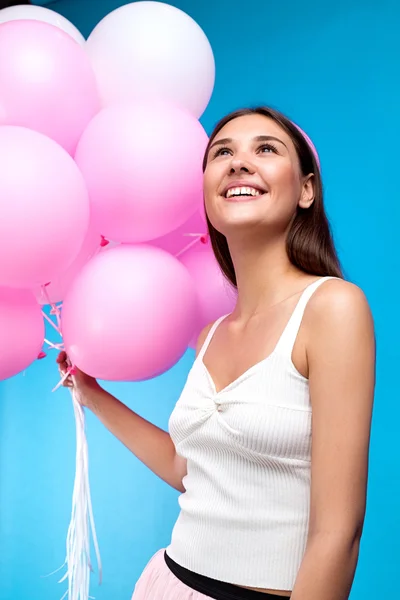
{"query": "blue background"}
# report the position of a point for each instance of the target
(332, 66)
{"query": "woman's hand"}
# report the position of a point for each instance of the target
(150, 444)
(82, 383)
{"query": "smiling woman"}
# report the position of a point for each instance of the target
(309, 240)
(268, 443)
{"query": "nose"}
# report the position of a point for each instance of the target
(240, 165)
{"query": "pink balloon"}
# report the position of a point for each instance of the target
(216, 297)
(44, 208)
(22, 331)
(178, 239)
(46, 81)
(143, 167)
(57, 289)
(129, 314)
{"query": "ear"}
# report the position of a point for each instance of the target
(307, 192)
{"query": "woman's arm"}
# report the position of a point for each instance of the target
(341, 358)
(150, 444)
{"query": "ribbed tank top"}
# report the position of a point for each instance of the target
(244, 515)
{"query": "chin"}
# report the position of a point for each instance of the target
(239, 217)
(234, 227)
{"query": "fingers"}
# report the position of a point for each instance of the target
(62, 357)
(68, 380)
(63, 366)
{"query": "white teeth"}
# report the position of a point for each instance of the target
(242, 191)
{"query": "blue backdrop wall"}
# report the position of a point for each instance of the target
(333, 67)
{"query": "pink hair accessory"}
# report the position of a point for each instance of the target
(310, 143)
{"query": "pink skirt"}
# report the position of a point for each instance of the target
(158, 583)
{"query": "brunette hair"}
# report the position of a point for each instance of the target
(309, 242)
(8, 3)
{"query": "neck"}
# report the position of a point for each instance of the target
(264, 275)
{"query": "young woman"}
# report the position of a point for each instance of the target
(269, 441)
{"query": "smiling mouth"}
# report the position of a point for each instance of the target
(245, 192)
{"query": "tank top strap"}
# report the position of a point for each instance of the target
(289, 335)
(209, 337)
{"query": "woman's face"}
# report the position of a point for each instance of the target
(252, 177)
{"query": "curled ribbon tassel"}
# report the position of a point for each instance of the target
(81, 530)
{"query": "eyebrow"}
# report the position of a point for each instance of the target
(258, 138)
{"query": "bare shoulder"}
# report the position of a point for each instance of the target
(338, 301)
(338, 314)
(202, 337)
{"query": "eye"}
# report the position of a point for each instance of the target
(222, 151)
(267, 149)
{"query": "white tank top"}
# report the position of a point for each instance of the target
(244, 515)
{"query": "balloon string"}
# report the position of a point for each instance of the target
(81, 528)
(59, 346)
(51, 323)
(199, 237)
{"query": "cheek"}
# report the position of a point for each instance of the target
(210, 187)
(283, 179)
(213, 211)
(279, 172)
(207, 199)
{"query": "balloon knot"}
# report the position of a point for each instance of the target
(204, 238)
(104, 242)
(41, 355)
(47, 284)
(72, 370)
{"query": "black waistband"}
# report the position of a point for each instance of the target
(215, 589)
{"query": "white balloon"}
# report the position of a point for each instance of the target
(152, 49)
(39, 13)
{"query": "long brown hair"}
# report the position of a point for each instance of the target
(309, 243)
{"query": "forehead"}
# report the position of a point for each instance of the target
(248, 127)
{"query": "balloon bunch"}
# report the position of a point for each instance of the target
(101, 203)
